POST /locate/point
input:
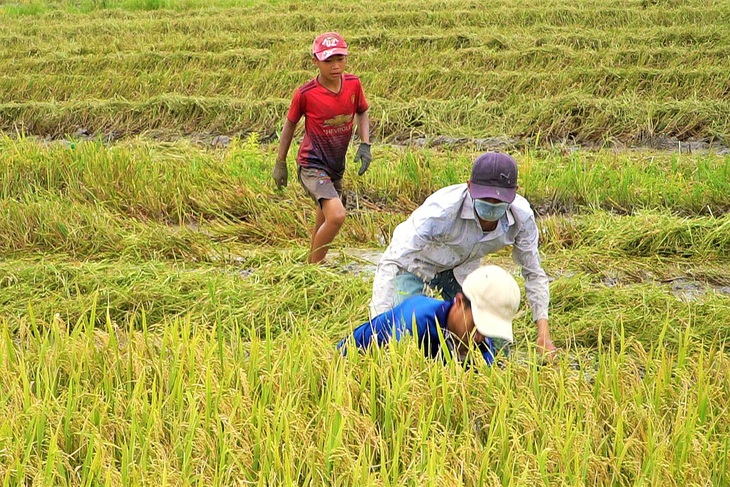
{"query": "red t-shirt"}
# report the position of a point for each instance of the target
(328, 122)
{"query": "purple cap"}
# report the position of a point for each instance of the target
(494, 175)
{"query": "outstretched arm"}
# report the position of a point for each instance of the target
(526, 254)
(287, 134)
(363, 151)
(544, 343)
(363, 126)
(280, 171)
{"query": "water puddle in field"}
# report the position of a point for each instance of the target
(359, 262)
(682, 288)
(687, 290)
(690, 290)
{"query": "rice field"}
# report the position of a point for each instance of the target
(159, 324)
(595, 72)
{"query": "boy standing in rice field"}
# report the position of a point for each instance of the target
(445, 238)
(476, 316)
(331, 104)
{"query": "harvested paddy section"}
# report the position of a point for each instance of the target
(598, 74)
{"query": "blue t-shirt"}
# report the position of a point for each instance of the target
(420, 313)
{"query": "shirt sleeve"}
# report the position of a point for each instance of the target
(297, 107)
(526, 254)
(378, 330)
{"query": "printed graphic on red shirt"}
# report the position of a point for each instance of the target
(329, 122)
(338, 121)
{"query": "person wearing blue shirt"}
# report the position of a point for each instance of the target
(483, 311)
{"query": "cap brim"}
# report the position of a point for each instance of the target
(322, 56)
(478, 191)
(492, 326)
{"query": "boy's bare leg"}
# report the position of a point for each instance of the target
(319, 221)
(329, 220)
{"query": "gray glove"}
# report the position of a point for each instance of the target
(363, 156)
(280, 174)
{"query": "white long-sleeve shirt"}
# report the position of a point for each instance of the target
(444, 234)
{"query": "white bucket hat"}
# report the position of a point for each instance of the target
(495, 299)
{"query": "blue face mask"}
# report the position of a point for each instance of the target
(490, 212)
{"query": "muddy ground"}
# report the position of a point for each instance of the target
(658, 142)
(362, 262)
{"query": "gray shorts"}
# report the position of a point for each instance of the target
(318, 184)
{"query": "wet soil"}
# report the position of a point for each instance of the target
(361, 262)
(220, 141)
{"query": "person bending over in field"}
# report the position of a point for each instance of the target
(446, 237)
(331, 103)
(475, 317)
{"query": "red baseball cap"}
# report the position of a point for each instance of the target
(329, 44)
